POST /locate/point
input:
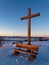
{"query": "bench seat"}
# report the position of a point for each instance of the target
(23, 51)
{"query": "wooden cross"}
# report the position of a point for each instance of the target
(29, 23)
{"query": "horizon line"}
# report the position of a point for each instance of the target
(22, 36)
(34, 35)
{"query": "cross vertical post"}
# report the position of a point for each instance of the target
(29, 26)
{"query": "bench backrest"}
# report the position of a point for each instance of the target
(28, 47)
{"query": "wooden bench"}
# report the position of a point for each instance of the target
(32, 53)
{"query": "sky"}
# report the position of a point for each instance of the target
(12, 10)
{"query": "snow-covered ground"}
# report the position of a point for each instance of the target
(6, 57)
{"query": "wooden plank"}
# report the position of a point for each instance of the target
(30, 53)
(29, 47)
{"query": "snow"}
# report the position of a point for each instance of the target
(6, 57)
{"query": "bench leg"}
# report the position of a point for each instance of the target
(16, 53)
(32, 57)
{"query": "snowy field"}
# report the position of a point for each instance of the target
(6, 57)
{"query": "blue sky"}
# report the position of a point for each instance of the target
(12, 10)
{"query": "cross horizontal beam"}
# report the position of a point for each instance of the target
(33, 15)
